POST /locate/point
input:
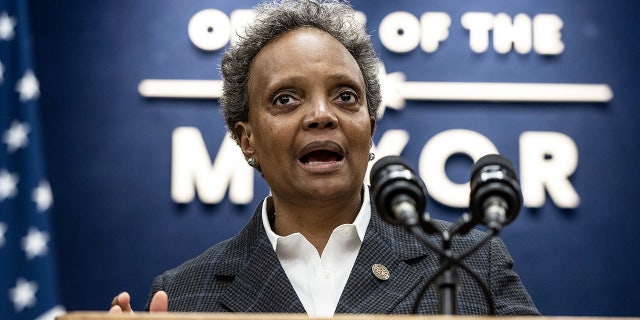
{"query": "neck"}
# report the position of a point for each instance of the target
(315, 221)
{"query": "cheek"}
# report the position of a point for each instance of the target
(271, 136)
(360, 139)
(362, 130)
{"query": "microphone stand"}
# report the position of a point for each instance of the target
(448, 283)
(447, 275)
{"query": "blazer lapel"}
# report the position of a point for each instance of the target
(260, 283)
(364, 292)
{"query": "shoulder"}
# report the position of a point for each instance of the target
(223, 258)
(207, 260)
(190, 277)
(207, 274)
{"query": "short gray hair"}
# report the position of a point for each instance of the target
(274, 19)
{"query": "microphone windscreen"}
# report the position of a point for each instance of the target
(393, 181)
(493, 176)
(491, 160)
(383, 163)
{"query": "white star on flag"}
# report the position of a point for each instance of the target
(23, 294)
(8, 183)
(16, 136)
(28, 86)
(35, 243)
(42, 196)
(7, 24)
(3, 229)
(28, 277)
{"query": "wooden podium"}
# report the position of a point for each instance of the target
(286, 316)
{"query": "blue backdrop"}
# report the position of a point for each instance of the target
(109, 149)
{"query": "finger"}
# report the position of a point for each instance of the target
(122, 301)
(115, 310)
(159, 302)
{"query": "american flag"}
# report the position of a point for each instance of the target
(28, 281)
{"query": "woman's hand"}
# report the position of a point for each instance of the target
(122, 303)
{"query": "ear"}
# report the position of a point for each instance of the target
(245, 138)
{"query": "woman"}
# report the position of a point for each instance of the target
(300, 98)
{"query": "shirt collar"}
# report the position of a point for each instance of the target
(361, 222)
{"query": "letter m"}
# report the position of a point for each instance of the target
(192, 170)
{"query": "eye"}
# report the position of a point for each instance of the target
(283, 99)
(348, 97)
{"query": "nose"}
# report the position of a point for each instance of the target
(320, 116)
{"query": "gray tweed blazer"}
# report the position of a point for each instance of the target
(243, 274)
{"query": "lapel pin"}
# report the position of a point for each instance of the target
(381, 272)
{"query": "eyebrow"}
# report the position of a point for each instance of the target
(337, 77)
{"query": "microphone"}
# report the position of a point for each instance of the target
(399, 195)
(495, 199)
(400, 198)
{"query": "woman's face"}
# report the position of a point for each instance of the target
(309, 128)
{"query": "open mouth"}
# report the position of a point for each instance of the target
(319, 153)
(320, 157)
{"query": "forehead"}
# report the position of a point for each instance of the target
(300, 49)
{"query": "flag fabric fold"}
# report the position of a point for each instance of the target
(28, 279)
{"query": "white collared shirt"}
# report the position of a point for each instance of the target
(320, 280)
